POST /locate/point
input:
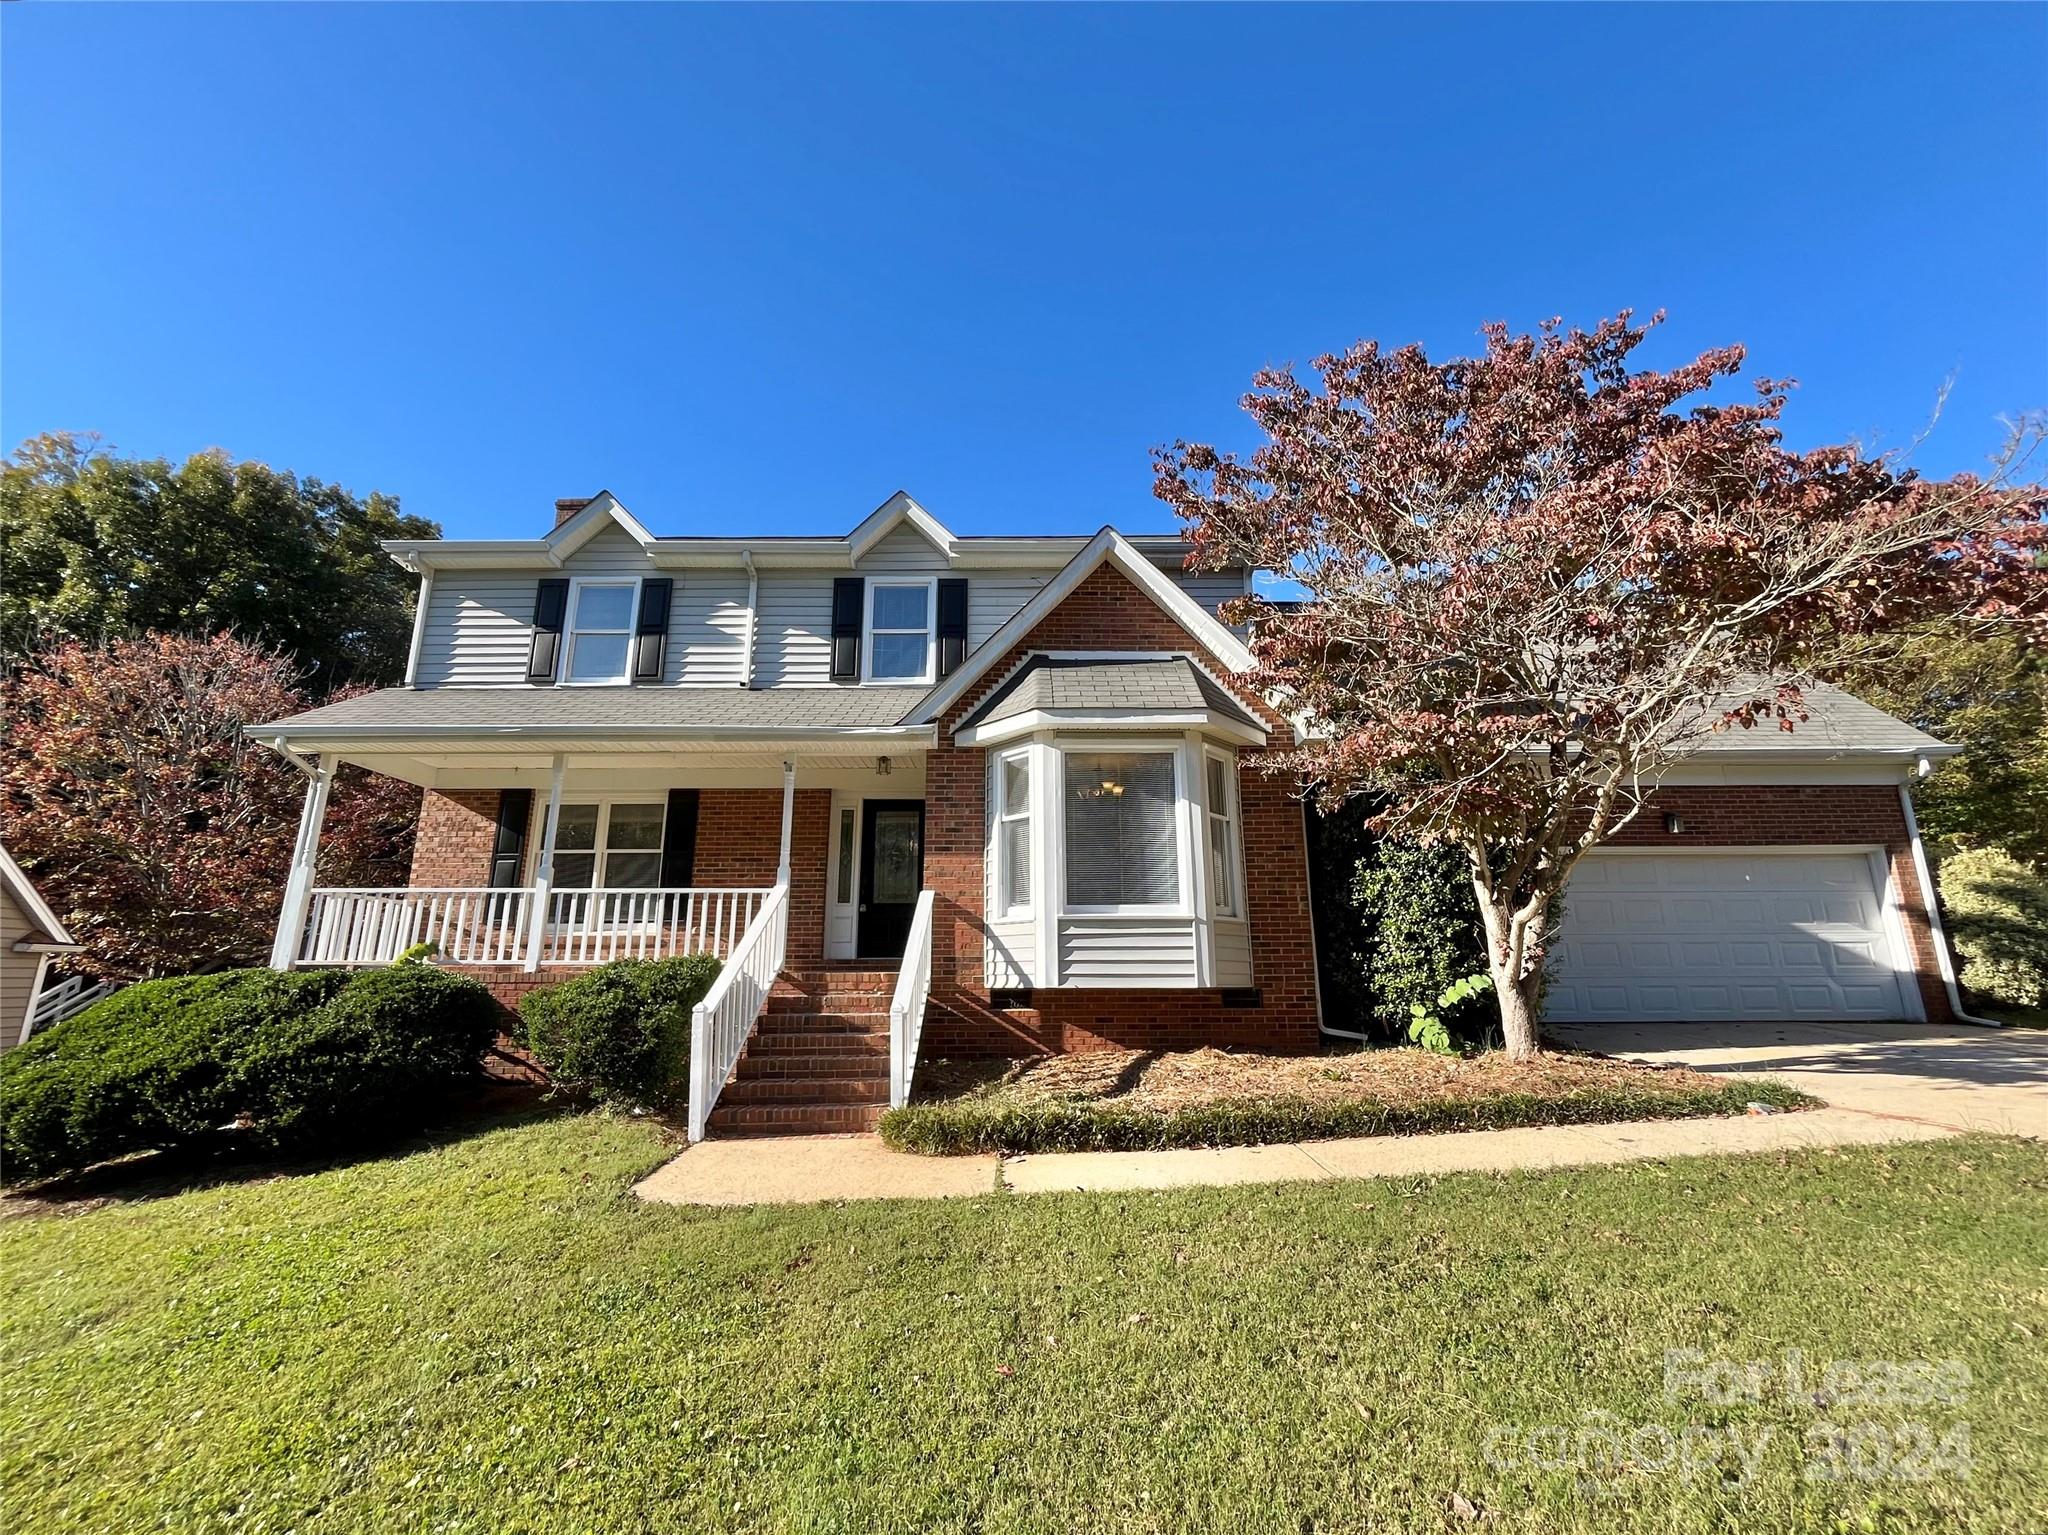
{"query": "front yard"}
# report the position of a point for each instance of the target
(493, 1336)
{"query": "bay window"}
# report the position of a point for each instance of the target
(601, 630)
(1120, 826)
(1013, 833)
(900, 631)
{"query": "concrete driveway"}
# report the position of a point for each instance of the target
(1964, 1078)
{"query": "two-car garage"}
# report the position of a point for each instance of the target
(1730, 935)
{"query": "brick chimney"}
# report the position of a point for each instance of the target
(568, 506)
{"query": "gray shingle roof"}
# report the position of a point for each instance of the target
(1168, 684)
(1838, 722)
(638, 708)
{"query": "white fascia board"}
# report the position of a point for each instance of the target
(1148, 578)
(32, 904)
(901, 507)
(337, 737)
(604, 508)
(1208, 721)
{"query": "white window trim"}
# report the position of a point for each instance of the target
(998, 818)
(931, 630)
(1226, 905)
(603, 850)
(1180, 906)
(570, 633)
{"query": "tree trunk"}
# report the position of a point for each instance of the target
(1518, 1017)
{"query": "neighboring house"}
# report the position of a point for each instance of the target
(29, 935)
(1004, 791)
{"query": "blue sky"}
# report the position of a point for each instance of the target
(758, 268)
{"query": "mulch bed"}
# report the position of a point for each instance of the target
(1164, 1081)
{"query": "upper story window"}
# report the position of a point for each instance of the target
(601, 630)
(1122, 831)
(900, 631)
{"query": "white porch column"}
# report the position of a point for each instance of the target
(298, 884)
(788, 814)
(544, 864)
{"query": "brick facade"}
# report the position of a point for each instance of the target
(1108, 612)
(1783, 815)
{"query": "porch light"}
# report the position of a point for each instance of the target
(1674, 822)
(883, 766)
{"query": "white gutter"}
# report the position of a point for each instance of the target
(1933, 902)
(457, 736)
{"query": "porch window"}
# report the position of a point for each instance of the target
(601, 630)
(1222, 817)
(899, 631)
(609, 845)
(1013, 833)
(1123, 846)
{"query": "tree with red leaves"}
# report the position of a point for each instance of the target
(158, 833)
(1536, 583)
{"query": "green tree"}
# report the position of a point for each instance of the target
(1989, 695)
(96, 547)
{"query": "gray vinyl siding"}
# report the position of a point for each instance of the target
(17, 972)
(479, 625)
(1127, 951)
(1012, 951)
(1233, 941)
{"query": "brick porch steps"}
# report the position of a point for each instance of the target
(818, 1061)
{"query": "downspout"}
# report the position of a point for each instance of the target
(419, 628)
(1933, 903)
(753, 616)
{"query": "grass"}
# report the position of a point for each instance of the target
(492, 1336)
(1132, 1100)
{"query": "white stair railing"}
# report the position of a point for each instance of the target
(906, 1007)
(725, 1018)
(67, 999)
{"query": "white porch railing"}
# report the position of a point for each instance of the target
(722, 1021)
(66, 999)
(471, 926)
(906, 1007)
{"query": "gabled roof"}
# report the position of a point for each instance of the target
(603, 510)
(901, 508)
(1106, 547)
(49, 932)
(1051, 691)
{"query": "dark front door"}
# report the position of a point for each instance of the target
(891, 875)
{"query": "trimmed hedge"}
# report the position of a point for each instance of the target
(1998, 918)
(619, 1032)
(966, 1126)
(294, 1059)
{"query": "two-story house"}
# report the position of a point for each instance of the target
(988, 795)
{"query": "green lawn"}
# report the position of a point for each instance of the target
(492, 1336)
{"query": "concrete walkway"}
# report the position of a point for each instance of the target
(1964, 1078)
(829, 1168)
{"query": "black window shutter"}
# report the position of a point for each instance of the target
(952, 625)
(508, 849)
(650, 638)
(679, 839)
(550, 607)
(849, 594)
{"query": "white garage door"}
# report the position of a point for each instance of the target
(1708, 937)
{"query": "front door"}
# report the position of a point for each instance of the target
(891, 875)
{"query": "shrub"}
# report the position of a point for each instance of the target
(148, 1066)
(1998, 918)
(620, 1032)
(1424, 920)
(966, 1126)
(301, 1058)
(384, 1047)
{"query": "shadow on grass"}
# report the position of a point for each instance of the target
(226, 1159)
